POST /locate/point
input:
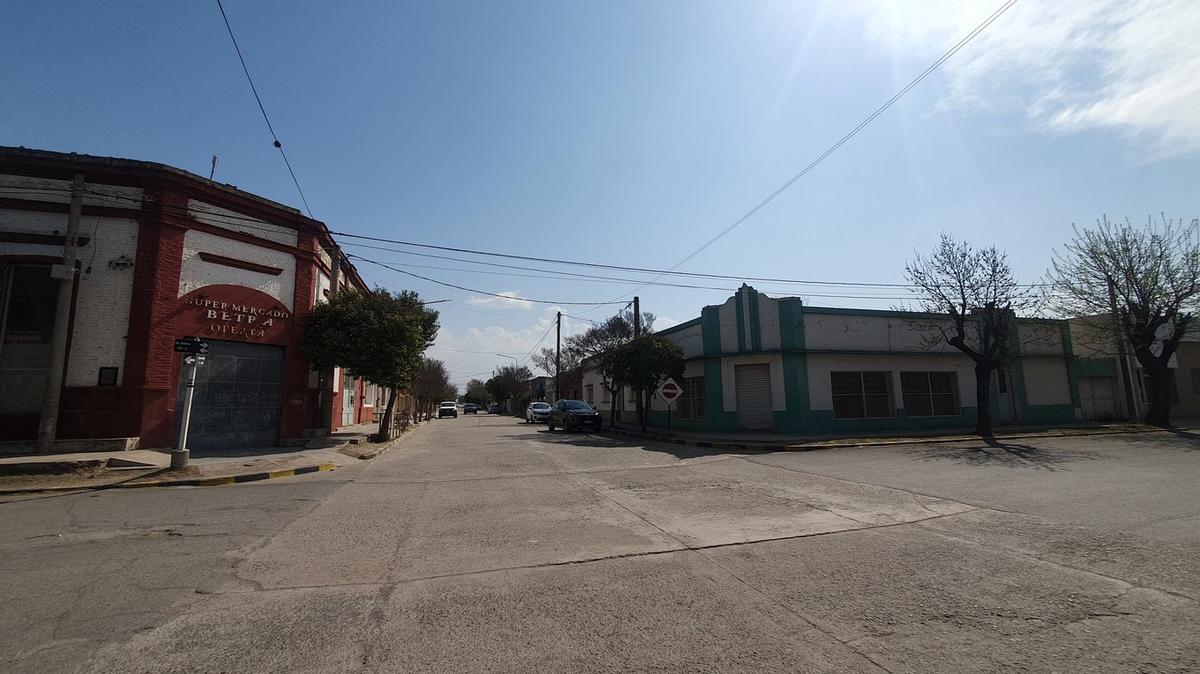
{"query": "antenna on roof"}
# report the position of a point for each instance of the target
(214, 168)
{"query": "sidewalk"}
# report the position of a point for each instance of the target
(148, 468)
(771, 442)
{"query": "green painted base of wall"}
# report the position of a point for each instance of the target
(823, 422)
(1048, 414)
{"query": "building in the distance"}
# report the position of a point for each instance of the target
(757, 363)
(164, 254)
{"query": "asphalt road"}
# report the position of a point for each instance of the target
(481, 543)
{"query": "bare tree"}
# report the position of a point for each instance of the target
(1142, 284)
(976, 292)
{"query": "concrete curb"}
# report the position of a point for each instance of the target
(863, 442)
(215, 481)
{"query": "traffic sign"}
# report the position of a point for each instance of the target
(669, 391)
(191, 345)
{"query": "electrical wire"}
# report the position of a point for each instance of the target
(473, 290)
(846, 138)
(263, 109)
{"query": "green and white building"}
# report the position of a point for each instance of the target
(773, 364)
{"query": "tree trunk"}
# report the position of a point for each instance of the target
(1159, 413)
(612, 405)
(983, 400)
(385, 421)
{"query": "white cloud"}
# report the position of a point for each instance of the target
(509, 300)
(1068, 66)
(473, 352)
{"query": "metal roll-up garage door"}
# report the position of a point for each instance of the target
(237, 399)
(753, 390)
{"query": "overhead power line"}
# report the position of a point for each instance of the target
(473, 290)
(846, 138)
(263, 109)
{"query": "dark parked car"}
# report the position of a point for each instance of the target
(570, 415)
(493, 408)
(470, 408)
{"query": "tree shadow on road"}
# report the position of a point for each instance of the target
(991, 452)
(608, 441)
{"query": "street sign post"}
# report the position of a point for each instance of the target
(669, 391)
(194, 348)
(191, 345)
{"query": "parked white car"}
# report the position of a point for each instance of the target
(448, 409)
(537, 413)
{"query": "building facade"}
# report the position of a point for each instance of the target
(164, 254)
(756, 363)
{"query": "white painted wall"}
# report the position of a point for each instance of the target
(1046, 381)
(197, 273)
(1040, 339)
(240, 222)
(690, 340)
(768, 320)
(104, 294)
(323, 285)
(868, 333)
(103, 302)
(727, 319)
(820, 365)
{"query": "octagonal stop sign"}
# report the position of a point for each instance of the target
(669, 390)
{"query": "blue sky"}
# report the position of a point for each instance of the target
(631, 132)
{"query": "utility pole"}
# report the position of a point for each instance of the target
(48, 423)
(637, 332)
(558, 358)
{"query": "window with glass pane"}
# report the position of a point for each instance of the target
(690, 404)
(928, 394)
(860, 395)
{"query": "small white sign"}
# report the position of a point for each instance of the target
(669, 391)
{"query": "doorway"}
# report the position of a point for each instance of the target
(348, 400)
(1006, 412)
(28, 302)
(752, 389)
(237, 399)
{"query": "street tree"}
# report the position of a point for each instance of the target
(432, 385)
(974, 298)
(591, 348)
(1141, 284)
(509, 382)
(644, 362)
(374, 334)
(476, 392)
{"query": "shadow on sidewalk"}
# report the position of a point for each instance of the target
(600, 441)
(992, 452)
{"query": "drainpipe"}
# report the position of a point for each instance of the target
(48, 424)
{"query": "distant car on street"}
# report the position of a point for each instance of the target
(572, 415)
(470, 408)
(448, 409)
(537, 412)
(493, 408)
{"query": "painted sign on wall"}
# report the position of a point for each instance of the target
(234, 313)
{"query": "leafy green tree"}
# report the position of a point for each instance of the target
(374, 334)
(510, 381)
(644, 362)
(1139, 283)
(476, 392)
(593, 347)
(432, 385)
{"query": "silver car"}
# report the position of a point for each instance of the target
(537, 413)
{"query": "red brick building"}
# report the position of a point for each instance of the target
(164, 254)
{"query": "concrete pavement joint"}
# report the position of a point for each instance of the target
(1013, 552)
(879, 486)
